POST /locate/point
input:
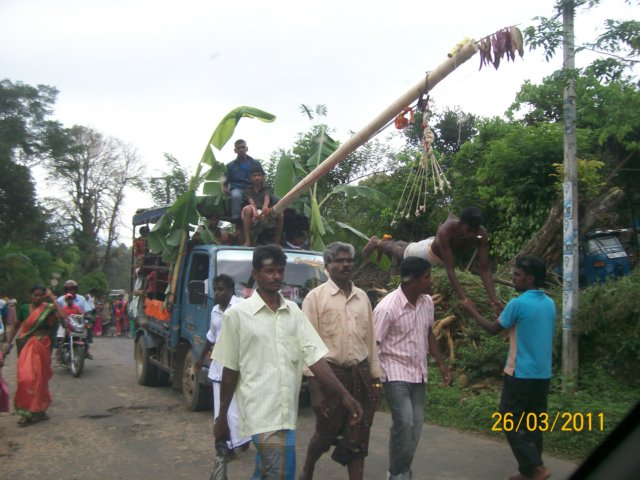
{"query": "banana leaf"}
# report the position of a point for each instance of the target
(184, 211)
(212, 188)
(227, 126)
(353, 230)
(285, 173)
(362, 191)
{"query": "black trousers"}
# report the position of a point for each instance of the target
(521, 396)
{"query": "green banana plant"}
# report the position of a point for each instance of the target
(169, 235)
(290, 171)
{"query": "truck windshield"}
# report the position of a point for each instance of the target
(603, 245)
(304, 272)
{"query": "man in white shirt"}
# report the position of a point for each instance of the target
(223, 287)
(265, 342)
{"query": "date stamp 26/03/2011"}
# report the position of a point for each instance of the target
(548, 422)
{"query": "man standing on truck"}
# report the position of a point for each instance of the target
(263, 346)
(223, 286)
(341, 314)
(530, 320)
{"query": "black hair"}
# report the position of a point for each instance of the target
(38, 286)
(256, 168)
(268, 252)
(224, 279)
(144, 230)
(413, 267)
(534, 266)
(473, 217)
(238, 142)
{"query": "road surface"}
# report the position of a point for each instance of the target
(105, 426)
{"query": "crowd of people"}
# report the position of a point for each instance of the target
(351, 351)
(350, 354)
(36, 330)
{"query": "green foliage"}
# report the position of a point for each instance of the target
(24, 112)
(590, 182)
(608, 321)
(168, 236)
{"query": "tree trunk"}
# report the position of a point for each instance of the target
(547, 242)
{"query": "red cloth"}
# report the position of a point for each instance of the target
(4, 391)
(34, 365)
(72, 310)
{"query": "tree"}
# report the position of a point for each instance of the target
(94, 171)
(166, 188)
(23, 120)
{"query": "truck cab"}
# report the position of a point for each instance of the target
(169, 342)
(602, 257)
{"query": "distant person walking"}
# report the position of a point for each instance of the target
(530, 320)
(120, 315)
(223, 287)
(404, 330)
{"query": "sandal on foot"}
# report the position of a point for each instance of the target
(24, 421)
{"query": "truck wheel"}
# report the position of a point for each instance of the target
(145, 372)
(196, 396)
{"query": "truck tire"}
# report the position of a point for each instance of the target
(146, 372)
(196, 396)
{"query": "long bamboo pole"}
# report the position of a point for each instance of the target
(360, 138)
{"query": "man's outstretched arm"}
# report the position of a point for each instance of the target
(449, 261)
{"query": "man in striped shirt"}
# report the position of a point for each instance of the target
(404, 321)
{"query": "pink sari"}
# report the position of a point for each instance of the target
(34, 361)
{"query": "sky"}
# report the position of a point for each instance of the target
(160, 75)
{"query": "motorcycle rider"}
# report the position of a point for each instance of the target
(69, 308)
(71, 286)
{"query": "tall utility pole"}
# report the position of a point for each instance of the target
(570, 191)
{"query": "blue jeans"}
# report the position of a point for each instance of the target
(406, 401)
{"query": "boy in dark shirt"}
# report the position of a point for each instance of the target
(258, 199)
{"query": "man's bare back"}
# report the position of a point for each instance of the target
(454, 237)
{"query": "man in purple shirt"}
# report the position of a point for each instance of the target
(404, 321)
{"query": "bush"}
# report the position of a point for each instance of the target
(608, 322)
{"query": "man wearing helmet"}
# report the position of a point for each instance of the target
(71, 287)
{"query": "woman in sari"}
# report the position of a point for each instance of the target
(33, 340)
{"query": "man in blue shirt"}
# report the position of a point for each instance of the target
(530, 320)
(238, 178)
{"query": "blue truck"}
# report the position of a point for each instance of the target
(168, 344)
(603, 256)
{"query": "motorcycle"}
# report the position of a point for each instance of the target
(72, 347)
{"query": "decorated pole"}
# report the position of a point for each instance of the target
(570, 251)
(458, 57)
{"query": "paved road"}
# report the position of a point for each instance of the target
(103, 426)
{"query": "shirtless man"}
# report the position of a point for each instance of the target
(455, 235)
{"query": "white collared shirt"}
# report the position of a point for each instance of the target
(269, 350)
(215, 327)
